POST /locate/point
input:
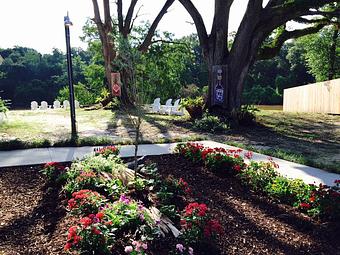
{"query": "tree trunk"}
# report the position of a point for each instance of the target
(332, 57)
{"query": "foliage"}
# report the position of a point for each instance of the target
(108, 151)
(210, 123)
(223, 162)
(85, 202)
(246, 116)
(198, 224)
(316, 50)
(29, 76)
(54, 171)
(81, 93)
(194, 106)
(258, 175)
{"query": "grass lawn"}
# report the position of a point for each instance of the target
(311, 139)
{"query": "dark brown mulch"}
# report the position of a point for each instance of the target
(252, 224)
(33, 218)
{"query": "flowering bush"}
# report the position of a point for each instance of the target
(54, 171)
(323, 201)
(107, 151)
(192, 151)
(86, 202)
(197, 223)
(92, 235)
(258, 175)
(223, 161)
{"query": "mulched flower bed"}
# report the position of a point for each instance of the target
(33, 218)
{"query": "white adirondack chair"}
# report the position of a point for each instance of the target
(76, 104)
(43, 105)
(175, 109)
(2, 117)
(56, 104)
(34, 105)
(66, 104)
(167, 107)
(156, 106)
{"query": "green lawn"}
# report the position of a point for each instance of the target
(311, 139)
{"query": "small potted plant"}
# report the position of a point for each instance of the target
(194, 106)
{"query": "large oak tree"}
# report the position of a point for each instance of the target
(252, 40)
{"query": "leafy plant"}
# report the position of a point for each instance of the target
(246, 116)
(54, 171)
(86, 202)
(194, 106)
(197, 224)
(210, 123)
(258, 175)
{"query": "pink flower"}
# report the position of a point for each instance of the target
(191, 251)
(180, 247)
(249, 154)
(145, 246)
(128, 249)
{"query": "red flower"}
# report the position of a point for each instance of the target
(100, 215)
(312, 199)
(72, 232)
(72, 203)
(237, 168)
(96, 231)
(248, 155)
(305, 205)
(86, 221)
(76, 239)
(51, 164)
(67, 246)
(337, 181)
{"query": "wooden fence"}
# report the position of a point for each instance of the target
(322, 97)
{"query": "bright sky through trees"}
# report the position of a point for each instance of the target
(38, 24)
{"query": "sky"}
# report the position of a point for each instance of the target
(38, 24)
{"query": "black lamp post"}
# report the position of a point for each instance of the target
(68, 23)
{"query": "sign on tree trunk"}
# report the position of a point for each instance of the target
(219, 84)
(116, 84)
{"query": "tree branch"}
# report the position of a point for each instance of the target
(134, 19)
(147, 41)
(199, 23)
(268, 52)
(107, 14)
(120, 15)
(128, 18)
(97, 18)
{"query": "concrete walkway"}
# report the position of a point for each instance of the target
(41, 156)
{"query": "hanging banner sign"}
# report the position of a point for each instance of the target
(220, 76)
(116, 84)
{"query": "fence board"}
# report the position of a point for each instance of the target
(321, 97)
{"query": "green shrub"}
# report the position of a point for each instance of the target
(258, 175)
(210, 123)
(81, 93)
(194, 106)
(246, 116)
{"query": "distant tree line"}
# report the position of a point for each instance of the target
(171, 68)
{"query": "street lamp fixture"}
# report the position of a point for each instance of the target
(67, 24)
